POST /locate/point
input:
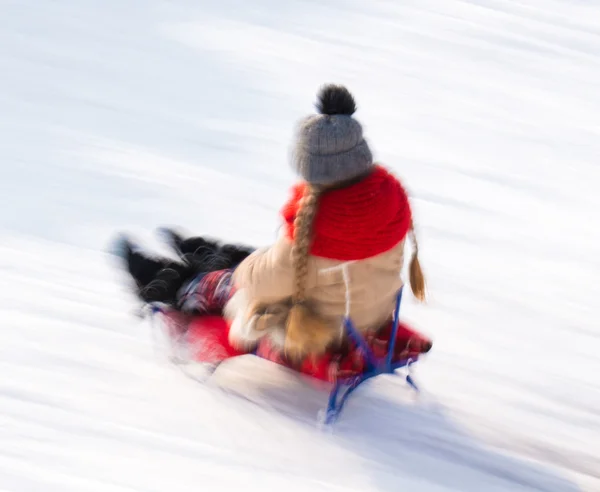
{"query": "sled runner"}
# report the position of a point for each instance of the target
(204, 339)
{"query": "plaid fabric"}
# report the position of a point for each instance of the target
(207, 293)
(352, 361)
(206, 340)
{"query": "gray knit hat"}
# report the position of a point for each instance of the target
(329, 146)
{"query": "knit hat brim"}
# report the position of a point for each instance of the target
(328, 169)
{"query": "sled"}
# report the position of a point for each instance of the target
(204, 339)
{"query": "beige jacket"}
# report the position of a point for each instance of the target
(267, 278)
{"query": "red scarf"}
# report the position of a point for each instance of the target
(356, 222)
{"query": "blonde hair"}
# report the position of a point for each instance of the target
(307, 333)
(416, 277)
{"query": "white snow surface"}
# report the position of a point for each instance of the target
(128, 115)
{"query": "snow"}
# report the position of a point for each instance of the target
(132, 115)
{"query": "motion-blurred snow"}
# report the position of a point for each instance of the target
(131, 115)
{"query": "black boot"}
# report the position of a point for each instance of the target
(168, 282)
(207, 255)
(235, 254)
(156, 279)
(141, 267)
(195, 248)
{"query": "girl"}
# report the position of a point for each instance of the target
(341, 254)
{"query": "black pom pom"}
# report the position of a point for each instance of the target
(335, 99)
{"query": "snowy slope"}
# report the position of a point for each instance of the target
(134, 114)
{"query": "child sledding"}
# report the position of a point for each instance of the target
(324, 298)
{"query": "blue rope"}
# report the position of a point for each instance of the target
(392, 346)
(155, 308)
(374, 367)
(362, 344)
(335, 406)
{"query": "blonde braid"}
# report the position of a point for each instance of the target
(417, 279)
(302, 240)
(306, 332)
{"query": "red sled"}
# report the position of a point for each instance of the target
(205, 339)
